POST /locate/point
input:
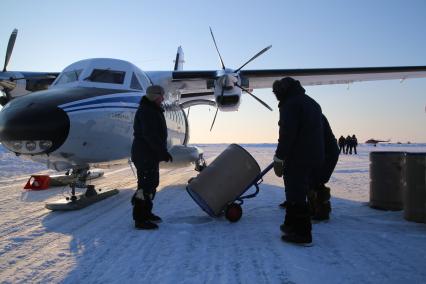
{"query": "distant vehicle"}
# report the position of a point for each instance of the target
(374, 141)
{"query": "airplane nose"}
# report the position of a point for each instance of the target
(32, 127)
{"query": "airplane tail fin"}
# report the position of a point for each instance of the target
(179, 59)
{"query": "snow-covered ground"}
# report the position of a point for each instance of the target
(99, 245)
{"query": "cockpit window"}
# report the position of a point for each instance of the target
(68, 77)
(134, 84)
(106, 76)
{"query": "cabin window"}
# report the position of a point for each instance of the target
(134, 84)
(68, 77)
(106, 76)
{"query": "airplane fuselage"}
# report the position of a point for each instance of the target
(83, 118)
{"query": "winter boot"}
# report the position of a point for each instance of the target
(288, 225)
(151, 216)
(298, 231)
(141, 213)
(311, 196)
(321, 204)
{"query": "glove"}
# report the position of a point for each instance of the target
(278, 166)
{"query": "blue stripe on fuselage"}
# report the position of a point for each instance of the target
(124, 99)
(100, 107)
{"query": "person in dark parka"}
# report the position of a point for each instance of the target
(348, 145)
(354, 143)
(300, 150)
(319, 195)
(342, 144)
(148, 149)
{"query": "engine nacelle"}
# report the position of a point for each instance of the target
(227, 94)
(15, 88)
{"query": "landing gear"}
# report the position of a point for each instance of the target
(79, 201)
(200, 164)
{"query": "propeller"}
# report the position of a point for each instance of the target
(224, 80)
(8, 80)
(10, 46)
(8, 85)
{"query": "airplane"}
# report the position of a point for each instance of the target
(374, 141)
(82, 116)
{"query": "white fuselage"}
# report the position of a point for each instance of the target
(99, 98)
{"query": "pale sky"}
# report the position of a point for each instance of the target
(303, 34)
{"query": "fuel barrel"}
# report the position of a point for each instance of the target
(387, 180)
(224, 180)
(415, 193)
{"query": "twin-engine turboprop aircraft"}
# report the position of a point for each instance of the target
(84, 115)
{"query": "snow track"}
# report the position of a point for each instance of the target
(99, 245)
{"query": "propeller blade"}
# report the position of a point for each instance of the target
(214, 119)
(256, 98)
(10, 48)
(217, 108)
(254, 57)
(217, 49)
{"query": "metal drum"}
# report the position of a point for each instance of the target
(415, 193)
(224, 180)
(387, 180)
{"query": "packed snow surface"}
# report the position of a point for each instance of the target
(98, 244)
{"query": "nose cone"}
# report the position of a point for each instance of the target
(31, 125)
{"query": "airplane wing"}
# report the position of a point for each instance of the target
(328, 76)
(200, 83)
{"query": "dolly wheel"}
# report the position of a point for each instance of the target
(233, 212)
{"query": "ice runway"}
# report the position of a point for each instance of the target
(99, 245)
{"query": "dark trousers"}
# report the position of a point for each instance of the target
(148, 176)
(297, 180)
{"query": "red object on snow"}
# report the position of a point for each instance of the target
(38, 182)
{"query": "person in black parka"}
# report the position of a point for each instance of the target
(354, 143)
(149, 148)
(349, 145)
(342, 144)
(319, 195)
(300, 150)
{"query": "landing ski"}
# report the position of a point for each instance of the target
(81, 201)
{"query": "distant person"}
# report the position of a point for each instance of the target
(148, 149)
(319, 195)
(300, 150)
(342, 144)
(348, 145)
(354, 143)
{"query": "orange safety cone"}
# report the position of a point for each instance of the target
(38, 182)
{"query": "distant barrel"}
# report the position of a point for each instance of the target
(387, 180)
(415, 193)
(224, 180)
